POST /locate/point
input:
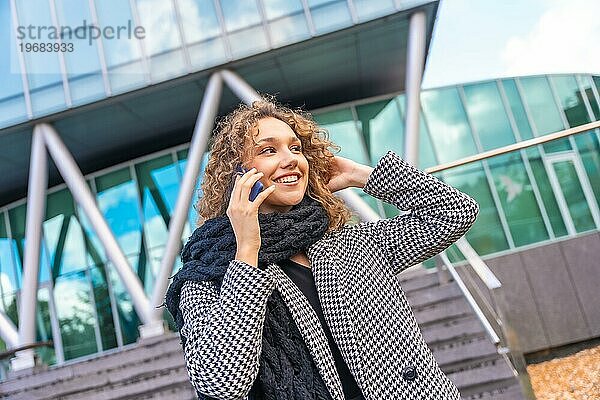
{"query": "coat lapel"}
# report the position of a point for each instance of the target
(310, 328)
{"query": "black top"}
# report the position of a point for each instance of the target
(303, 278)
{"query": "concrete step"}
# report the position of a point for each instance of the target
(455, 329)
(417, 281)
(434, 294)
(512, 392)
(442, 312)
(462, 352)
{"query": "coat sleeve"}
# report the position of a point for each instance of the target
(223, 330)
(439, 214)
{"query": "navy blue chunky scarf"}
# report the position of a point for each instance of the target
(286, 370)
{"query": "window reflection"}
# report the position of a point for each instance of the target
(162, 41)
(43, 68)
(343, 131)
(242, 21)
(287, 21)
(158, 182)
(516, 108)
(382, 127)
(447, 123)
(487, 114)
(571, 100)
(518, 201)
(329, 15)
(546, 192)
(369, 9)
(585, 81)
(83, 65)
(8, 269)
(123, 56)
(543, 111)
(487, 235)
(12, 100)
(75, 314)
(202, 33)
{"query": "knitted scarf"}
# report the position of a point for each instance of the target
(286, 369)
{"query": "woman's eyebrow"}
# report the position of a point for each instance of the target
(273, 140)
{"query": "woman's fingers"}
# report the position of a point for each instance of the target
(244, 183)
(263, 195)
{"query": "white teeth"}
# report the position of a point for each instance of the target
(287, 179)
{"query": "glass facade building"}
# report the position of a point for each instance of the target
(527, 197)
(182, 37)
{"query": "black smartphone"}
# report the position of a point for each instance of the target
(256, 189)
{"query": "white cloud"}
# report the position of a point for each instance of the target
(564, 40)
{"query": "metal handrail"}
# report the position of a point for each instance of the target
(516, 146)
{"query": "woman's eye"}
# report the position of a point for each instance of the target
(297, 148)
(266, 149)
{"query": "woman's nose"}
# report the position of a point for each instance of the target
(289, 160)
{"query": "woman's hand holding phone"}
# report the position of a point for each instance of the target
(243, 215)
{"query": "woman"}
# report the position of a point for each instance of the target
(278, 298)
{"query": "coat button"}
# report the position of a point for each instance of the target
(409, 373)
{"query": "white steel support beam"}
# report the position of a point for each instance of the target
(240, 87)
(415, 59)
(8, 331)
(81, 193)
(204, 125)
(36, 205)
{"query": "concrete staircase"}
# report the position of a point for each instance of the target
(458, 340)
(154, 369)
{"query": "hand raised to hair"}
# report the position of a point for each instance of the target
(346, 173)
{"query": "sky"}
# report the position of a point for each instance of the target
(475, 40)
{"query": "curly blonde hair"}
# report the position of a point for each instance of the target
(232, 145)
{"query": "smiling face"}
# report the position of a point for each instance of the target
(278, 155)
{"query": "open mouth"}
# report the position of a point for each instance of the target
(289, 180)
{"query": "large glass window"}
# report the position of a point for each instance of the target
(427, 156)
(571, 100)
(589, 151)
(369, 9)
(123, 56)
(12, 99)
(487, 235)
(242, 21)
(516, 108)
(546, 192)
(586, 83)
(518, 201)
(9, 269)
(448, 124)
(83, 64)
(163, 44)
(488, 116)
(382, 127)
(543, 111)
(343, 131)
(287, 22)
(329, 15)
(118, 201)
(202, 33)
(43, 68)
(75, 314)
(158, 183)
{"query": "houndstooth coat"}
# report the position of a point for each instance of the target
(354, 270)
